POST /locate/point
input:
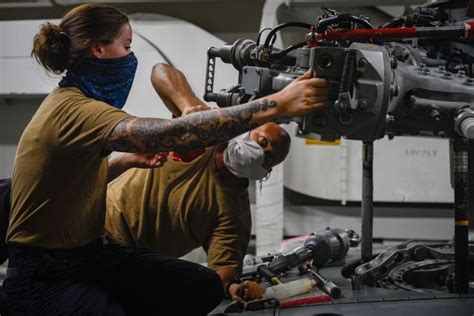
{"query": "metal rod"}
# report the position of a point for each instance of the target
(463, 31)
(461, 196)
(367, 207)
(470, 186)
(324, 284)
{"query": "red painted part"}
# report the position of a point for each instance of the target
(401, 32)
(468, 30)
(306, 301)
(311, 37)
(186, 156)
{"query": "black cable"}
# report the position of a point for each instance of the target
(285, 52)
(325, 23)
(260, 34)
(282, 26)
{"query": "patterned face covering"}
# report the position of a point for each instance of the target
(104, 79)
(244, 158)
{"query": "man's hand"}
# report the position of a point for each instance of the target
(195, 108)
(241, 292)
(245, 291)
(125, 161)
(144, 160)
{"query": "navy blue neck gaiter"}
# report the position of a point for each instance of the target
(104, 79)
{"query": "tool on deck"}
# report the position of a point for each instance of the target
(321, 282)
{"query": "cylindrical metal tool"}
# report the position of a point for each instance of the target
(268, 274)
(324, 284)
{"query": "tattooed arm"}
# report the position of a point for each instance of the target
(209, 128)
(173, 88)
(192, 131)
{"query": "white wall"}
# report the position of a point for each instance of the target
(23, 83)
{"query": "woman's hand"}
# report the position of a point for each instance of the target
(304, 94)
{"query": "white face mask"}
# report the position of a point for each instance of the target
(244, 158)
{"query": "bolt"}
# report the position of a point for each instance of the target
(461, 74)
(421, 65)
(426, 71)
(363, 104)
(435, 115)
(393, 63)
(300, 131)
(469, 81)
(447, 75)
(362, 63)
(343, 105)
(345, 118)
(404, 54)
(441, 69)
(393, 91)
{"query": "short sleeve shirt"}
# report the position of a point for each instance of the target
(60, 176)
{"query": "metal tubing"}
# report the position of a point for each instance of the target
(463, 31)
(367, 207)
(324, 284)
(461, 197)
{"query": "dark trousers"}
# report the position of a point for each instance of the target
(5, 191)
(107, 279)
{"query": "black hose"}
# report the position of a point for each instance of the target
(325, 23)
(272, 33)
(260, 34)
(399, 22)
(285, 52)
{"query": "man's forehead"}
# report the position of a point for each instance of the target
(270, 128)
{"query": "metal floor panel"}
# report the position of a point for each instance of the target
(371, 301)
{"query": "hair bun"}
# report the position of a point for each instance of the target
(51, 48)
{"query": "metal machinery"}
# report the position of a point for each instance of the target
(411, 76)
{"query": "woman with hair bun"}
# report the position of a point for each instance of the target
(59, 262)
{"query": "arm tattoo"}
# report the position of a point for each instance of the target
(192, 131)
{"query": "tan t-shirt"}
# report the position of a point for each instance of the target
(60, 176)
(179, 207)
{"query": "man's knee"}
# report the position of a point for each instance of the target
(208, 291)
(218, 290)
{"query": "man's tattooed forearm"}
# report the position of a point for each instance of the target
(192, 131)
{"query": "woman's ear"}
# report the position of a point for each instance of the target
(97, 51)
